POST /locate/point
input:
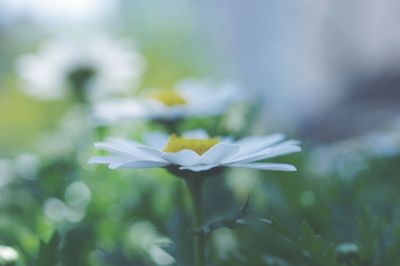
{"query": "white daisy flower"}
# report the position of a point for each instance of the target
(95, 67)
(189, 98)
(196, 152)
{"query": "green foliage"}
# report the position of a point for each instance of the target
(310, 244)
(49, 253)
(130, 211)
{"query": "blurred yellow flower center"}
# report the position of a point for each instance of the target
(169, 97)
(199, 146)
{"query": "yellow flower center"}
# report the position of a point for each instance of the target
(169, 97)
(199, 146)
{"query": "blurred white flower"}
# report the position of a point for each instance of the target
(54, 15)
(8, 255)
(92, 68)
(195, 151)
(385, 143)
(189, 98)
(343, 158)
(349, 157)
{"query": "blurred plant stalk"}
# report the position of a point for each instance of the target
(194, 185)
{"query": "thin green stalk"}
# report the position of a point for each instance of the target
(194, 185)
(171, 126)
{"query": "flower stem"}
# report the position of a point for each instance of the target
(194, 186)
(172, 126)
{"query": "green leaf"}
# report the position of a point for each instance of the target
(49, 253)
(280, 228)
(310, 244)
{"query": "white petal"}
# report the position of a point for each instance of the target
(264, 140)
(218, 153)
(123, 143)
(196, 134)
(198, 168)
(198, 101)
(114, 148)
(266, 154)
(127, 161)
(151, 152)
(196, 94)
(265, 166)
(118, 145)
(183, 157)
(138, 164)
(129, 147)
(114, 110)
(290, 142)
(251, 145)
(158, 110)
(156, 139)
(106, 159)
